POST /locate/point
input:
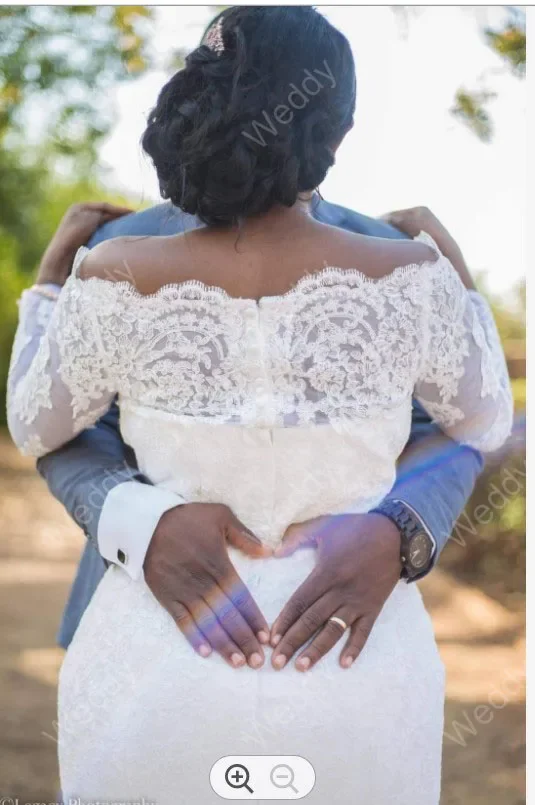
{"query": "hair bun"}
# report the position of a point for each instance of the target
(226, 137)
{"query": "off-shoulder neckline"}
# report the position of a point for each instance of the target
(328, 276)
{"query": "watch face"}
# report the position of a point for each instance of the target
(420, 550)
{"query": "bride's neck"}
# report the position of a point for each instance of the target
(278, 217)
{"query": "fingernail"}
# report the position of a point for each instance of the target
(280, 661)
(303, 663)
(237, 660)
(205, 650)
(275, 640)
(263, 636)
(256, 660)
(347, 662)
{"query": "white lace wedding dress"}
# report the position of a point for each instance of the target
(287, 408)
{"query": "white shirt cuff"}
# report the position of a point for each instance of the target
(129, 517)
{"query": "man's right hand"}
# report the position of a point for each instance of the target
(188, 570)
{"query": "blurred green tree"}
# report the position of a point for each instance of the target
(509, 43)
(67, 58)
(507, 40)
(57, 67)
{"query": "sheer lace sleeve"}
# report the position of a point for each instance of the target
(464, 383)
(59, 380)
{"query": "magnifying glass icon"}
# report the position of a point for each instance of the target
(237, 776)
(282, 776)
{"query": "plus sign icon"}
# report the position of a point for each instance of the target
(237, 776)
(262, 777)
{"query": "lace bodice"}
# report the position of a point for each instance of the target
(338, 349)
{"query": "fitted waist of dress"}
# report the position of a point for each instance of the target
(397, 418)
(269, 477)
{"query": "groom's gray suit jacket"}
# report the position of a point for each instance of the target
(436, 483)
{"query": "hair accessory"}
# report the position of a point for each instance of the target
(214, 37)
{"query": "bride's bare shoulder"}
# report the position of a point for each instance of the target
(141, 260)
(381, 256)
(397, 253)
(375, 256)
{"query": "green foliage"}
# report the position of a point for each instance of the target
(40, 68)
(508, 42)
(23, 180)
(470, 108)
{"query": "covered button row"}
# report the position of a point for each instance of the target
(252, 333)
(254, 348)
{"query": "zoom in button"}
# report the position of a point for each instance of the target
(237, 776)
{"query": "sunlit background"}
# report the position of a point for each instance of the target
(440, 121)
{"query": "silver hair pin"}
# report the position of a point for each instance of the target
(214, 37)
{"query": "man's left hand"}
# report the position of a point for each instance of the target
(358, 566)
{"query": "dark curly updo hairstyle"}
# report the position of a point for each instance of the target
(253, 118)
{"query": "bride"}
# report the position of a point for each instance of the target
(264, 364)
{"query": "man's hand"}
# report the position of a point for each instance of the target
(358, 566)
(417, 219)
(188, 570)
(74, 230)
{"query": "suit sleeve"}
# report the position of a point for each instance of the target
(435, 477)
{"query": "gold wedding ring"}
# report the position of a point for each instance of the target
(339, 622)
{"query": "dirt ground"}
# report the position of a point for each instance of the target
(481, 642)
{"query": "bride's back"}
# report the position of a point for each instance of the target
(265, 257)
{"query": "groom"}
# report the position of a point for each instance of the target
(96, 477)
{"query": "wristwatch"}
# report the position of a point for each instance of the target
(418, 545)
